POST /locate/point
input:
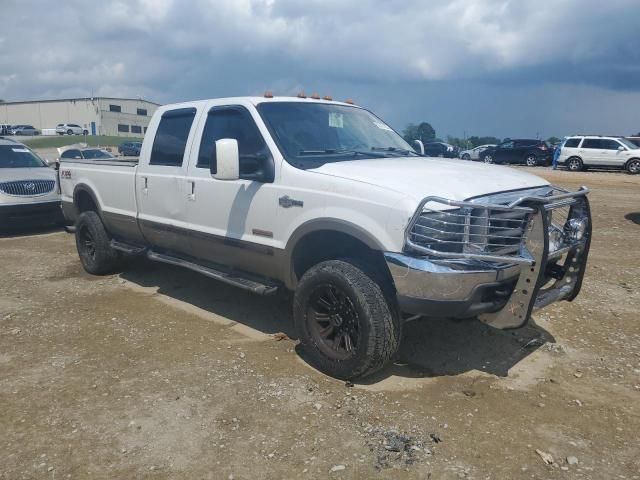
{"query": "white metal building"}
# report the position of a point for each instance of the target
(125, 117)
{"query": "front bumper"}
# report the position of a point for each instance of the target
(449, 288)
(501, 293)
(30, 214)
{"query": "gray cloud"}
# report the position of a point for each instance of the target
(408, 59)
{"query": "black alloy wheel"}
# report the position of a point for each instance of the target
(333, 322)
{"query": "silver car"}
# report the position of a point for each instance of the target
(474, 153)
(26, 130)
(28, 188)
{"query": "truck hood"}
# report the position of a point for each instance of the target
(16, 174)
(421, 177)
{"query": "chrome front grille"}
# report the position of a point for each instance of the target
(494, 228)
(478, 230)
(27, 187)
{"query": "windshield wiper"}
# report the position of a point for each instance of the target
(401, 151)
(334, 151)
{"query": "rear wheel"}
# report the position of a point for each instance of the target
(531, 160)
(346, 323)
(633, 166)
(85, 132)
(94, 245)
(575, 164)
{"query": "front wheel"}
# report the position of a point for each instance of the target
(633, 166)
(69, 132)
(347, 325)
(487, 159)
(531, 160)
(466, 156)
(94, 245)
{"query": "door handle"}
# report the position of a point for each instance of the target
(192, 190)
(145, 189)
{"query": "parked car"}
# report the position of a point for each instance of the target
(474, 153)
(5, 129)
(581, 152)
(440, 149)
(634, 140)
(28, 189)
(25, 130)
(324, 199)
(70, 129)
(85, 154)
(530, 152)
(130, 149)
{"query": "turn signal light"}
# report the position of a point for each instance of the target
(268, 94)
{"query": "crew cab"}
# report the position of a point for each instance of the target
(324, 199)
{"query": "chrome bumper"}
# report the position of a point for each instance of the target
(449, 288)
(502, 294)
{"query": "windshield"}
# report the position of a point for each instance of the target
(96, 154)
(628, 144)
(310, 134)
(18, 156)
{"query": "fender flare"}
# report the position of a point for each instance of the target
(84, 188)
(323, 224)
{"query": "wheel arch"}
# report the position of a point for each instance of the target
(326, 239)
(85, 199)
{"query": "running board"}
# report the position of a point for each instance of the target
(231, 278)
(128, 248)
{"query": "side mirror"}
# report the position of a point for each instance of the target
(227, 160)
(620, 148)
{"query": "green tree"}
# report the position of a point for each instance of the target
(461, 143)
(553, 140)
(423, 132)
(475, 141)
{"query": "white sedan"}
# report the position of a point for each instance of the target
(474, 153)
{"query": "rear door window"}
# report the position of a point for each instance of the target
(171, 137)
(593, 143)
(72, 153)
(572, 143)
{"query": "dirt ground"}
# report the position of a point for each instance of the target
(162, 373)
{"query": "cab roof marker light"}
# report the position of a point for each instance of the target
(301, 95)
(327, 97)
(349, 101)
(315, 96)
(268, 94)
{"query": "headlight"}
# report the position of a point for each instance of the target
(576, 228)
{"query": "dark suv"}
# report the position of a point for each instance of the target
(527, 151)
(130, 149)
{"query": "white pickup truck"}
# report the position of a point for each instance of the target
(324, 199)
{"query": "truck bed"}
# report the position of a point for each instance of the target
(113, 182)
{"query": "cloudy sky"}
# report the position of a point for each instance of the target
(480, 67)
